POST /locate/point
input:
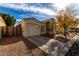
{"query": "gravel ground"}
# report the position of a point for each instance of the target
(19, 46)
(74, 51)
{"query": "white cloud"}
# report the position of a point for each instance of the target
(63, 3)
(25, 7)
(18, 20)
(32, 15)
(60, 4)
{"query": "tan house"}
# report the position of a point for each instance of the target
(2, 23)
(33, 27)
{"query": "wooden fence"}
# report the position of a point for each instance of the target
(11, 31)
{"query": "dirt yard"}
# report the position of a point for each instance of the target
(19, 46)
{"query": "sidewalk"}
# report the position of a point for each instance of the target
(51, 46)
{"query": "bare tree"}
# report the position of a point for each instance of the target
(66, 18)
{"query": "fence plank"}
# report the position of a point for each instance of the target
(11, 31)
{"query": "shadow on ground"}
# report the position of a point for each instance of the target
(61, 39)
(74, 50)
(11, 40)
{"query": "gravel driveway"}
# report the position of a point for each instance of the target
(18, 46)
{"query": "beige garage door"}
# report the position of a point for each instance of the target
(33, 30)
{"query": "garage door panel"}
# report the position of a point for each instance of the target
(33, 29)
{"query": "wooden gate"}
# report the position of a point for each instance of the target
(11, 31)
(18, 30)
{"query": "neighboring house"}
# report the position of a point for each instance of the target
(2, 23)
(71, 29)
(50, 26)
(76, 29)
(32, 26)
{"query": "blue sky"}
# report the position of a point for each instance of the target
(41, 11)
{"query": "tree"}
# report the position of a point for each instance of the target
(9, 20)
(66, 19)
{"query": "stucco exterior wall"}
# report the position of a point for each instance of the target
(2, 23)
(44, 25)
(23, 28)
(0, 33)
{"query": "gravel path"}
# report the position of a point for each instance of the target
(18, 46)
